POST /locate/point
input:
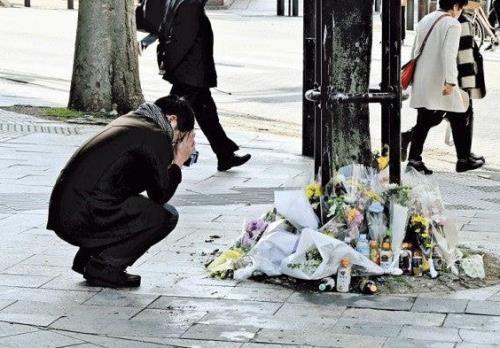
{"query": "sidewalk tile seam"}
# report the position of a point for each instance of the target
(144, 308)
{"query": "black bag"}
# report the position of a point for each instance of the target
(149, 15)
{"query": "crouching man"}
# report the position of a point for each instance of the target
(96, 202)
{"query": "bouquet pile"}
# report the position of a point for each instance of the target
(380, 228)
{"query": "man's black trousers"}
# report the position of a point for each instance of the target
(122, 253)
(206, 115)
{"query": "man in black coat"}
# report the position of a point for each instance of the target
(185, 57)
(96, 203)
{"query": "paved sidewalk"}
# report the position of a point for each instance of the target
(44, 303)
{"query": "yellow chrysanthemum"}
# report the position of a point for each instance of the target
(313, 190)
(419, 219)
(374, 196)
(383, 162)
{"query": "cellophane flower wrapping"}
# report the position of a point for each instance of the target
(399, 220)
(318, 256)
(296, 209)
(441, 231)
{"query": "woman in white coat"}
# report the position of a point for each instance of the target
(435, 93)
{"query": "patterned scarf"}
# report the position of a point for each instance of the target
(153, 112)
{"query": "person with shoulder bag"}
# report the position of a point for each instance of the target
(435, 89)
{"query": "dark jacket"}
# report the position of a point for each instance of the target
(185, 50)
(97, 196)
(470, 62)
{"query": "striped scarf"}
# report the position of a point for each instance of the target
(153, 112)
(470, 63)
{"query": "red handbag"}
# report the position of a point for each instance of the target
(408, 70)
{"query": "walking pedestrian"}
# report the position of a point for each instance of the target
(435, 88)
(185, 57)
(96, 202)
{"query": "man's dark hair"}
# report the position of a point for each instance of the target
(448, 4)
(173, 105)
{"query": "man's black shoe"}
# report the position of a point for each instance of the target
(232, 161)
(419, 166)
(468, 164)
(477, 158)
(82, 257)
(98, 274)
(405, 143)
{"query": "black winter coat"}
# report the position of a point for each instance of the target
(185, 50)
(96, 198)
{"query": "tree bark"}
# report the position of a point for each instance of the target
(106, 67)
(349, 27)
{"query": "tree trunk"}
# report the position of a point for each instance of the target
(349, 42)
(106, 67)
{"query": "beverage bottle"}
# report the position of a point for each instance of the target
(368, 287)
(344, 275)
(363, 247)
(374, 252)
(417, 265)
(327, 284)
(386, 255)
(405, 258)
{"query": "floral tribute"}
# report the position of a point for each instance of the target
(358, 222)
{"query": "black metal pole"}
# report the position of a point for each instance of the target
(71, 5)
(384, 85)
(27, 3)
(295, 10)
(280, 7)
(327, 48)
(317, 74)
(410, 15)
(308, 79)
(395, 86)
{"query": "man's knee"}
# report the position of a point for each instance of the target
(171, 218)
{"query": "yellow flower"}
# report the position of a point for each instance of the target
(350, 214)
(313, 191)
(374, 196)
(383, 162)
(419, 219)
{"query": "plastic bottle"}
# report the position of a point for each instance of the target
(344, 275)
(386, 256)
(374, 252)
(327, 284)
(363, 247)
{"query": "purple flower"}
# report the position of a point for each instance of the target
(253, 231)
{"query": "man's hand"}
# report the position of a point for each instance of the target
(448, 89)
(184, 149)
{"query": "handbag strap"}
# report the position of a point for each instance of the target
(428, 34)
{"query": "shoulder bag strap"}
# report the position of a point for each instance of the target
(428, 34)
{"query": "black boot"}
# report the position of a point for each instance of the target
(419, 166)
(405, 143)
(226, 163)
(477, 158)
(100, 274)
(468, 164)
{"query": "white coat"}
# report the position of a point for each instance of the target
(437, 64)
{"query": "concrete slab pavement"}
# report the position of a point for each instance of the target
(44, 303)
